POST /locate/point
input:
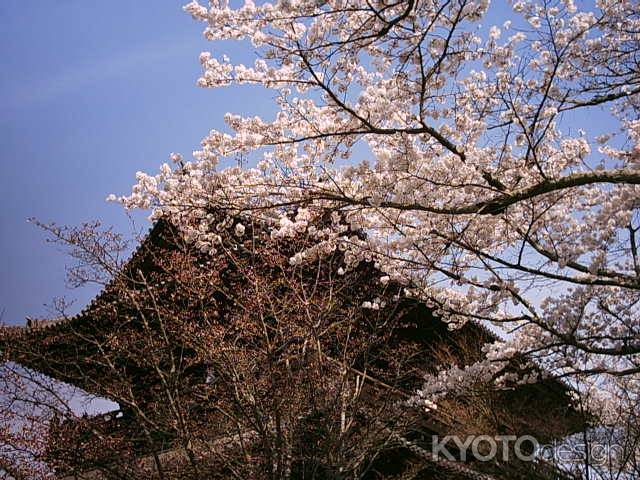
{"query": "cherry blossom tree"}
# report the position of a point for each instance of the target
(494, 170)
(27, 402)
(492, 163)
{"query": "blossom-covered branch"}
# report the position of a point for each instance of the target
(494, 171)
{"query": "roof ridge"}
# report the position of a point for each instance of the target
(48, 323)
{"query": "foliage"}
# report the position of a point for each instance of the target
(469, 156)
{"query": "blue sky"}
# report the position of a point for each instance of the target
(90, 93)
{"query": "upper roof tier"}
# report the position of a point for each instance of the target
(171, 301)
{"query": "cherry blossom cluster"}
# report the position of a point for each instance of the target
(469, 155)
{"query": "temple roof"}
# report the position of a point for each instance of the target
(161, 238)
(149, 241)
(46, 345)
(72, 349)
